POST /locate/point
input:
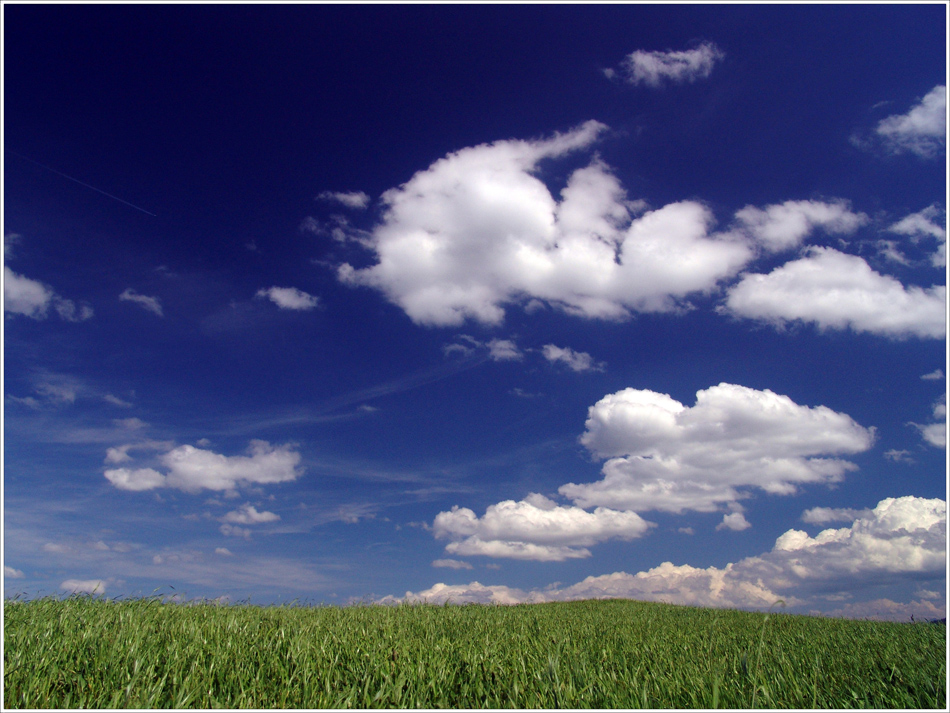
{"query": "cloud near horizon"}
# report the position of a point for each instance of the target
(900, 536)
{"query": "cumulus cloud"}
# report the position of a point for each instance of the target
(151, 304)
(935, 375)
(839, 291)
(663, 455)
(194, 469)
(247, 514)
(535, 528)
(351, 199)
(734, 521)
(786, 225)
(936, 433)
(478, 230)
(289, 298)
(84, 586)
(921, 225)
(656, 68)
(922, 130)
(11, 573)
(576, 361)
(504, 350)
(21, 295)
(900, 537)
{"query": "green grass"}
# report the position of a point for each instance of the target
(83, 652)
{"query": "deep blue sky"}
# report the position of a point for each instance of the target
(570, 301)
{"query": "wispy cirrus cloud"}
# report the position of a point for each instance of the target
(350, 199)
(149, 304)
(654, 68)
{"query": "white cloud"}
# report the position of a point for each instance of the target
(229, 530)
(786, 225)
(920, 225)
(822, 516)
(10, 240)
(734, 521)
(900, 537)
(667, 456)
(838, 291)
(289, 298)
(478, 230)
(21, 295)
(223, 551)
(247, 514)
(84, 586)
(129, 479)
(451, 564)
(933, 375)
(936, 433)
(504, 350)
(116, 401)
(577, 361)
(193, 469)
(150, 304)
(535, 528)
(351, 199)
(655, 68)
(11, 573)
(922, 130)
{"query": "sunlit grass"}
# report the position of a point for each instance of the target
(84, 652)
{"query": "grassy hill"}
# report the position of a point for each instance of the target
(95, 653)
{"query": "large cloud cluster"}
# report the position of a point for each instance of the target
(194, 469)
(479, 230)
(663, 455)
(899, 537)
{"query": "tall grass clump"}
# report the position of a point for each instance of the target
(84, 652)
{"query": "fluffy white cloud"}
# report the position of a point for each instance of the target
(786, 225)
(577, 361)
(922, 130)
(734, 521)
(936, 433)
(193, 469)
(667, 456)
(920, 225)
(150, 304)
(289, 298)
(247, 514)
(478, 230)
(535, 528)
(838, 291)
(351, 199)
(655, 68)
(11, 573)
(504, 350)
(21, 295)
(900, 537)
(84, 586)
(133, 479)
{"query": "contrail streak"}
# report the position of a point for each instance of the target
(76, 180)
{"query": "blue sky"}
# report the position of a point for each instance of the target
(479, 303)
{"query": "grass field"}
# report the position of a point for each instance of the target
(82, 652)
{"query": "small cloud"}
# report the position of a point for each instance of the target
(822, 516)
(504, 350)
(656, 68)
(132, 424)
(116, 401)
(933, 376)
(451, 564)
(577, 361)
(353, 199)
(289, 298)
(898, 456)
(921, 130)
(33, 299)
(734, 521)
(10, 240)
(84, 586)
(248, 515)
(11, 573)
(234, 531)
(149, 303)
(223, 551)
(686, 530)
